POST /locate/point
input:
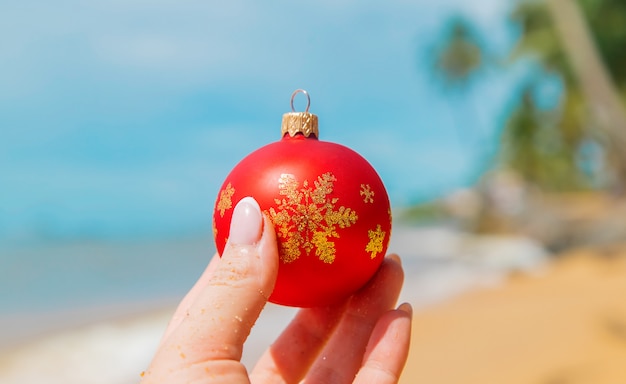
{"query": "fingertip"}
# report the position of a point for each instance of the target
(393, 265)
(388, 347)
(406, 308)
(395, 257)
(246, 225)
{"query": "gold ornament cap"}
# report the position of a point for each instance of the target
(300, 122)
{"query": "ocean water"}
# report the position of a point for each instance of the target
(69, 284)
(50, 287)
(67, 275)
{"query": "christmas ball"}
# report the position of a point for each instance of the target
(328, 206)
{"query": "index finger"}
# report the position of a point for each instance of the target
(228, 306)
(182, 310)
(213, 325)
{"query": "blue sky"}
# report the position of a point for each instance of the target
(122, 118)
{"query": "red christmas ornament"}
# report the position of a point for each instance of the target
(328, 205)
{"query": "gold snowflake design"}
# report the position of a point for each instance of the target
(307, 218)
(367, 193)
(225, 202)
(375, 244)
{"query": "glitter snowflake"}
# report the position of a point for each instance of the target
(367, 193)
(375, 245)
(225, 202)
(306, 218)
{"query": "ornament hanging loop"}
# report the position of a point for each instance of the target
(308, 99)
(304, 123)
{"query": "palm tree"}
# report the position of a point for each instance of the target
(456, 61)
(590, 72)
(561, 35)
(458, 56)
(582, 42)
(557, 133)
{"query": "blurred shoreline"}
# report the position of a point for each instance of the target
(27, 327)
(440, 263)
(562, 321)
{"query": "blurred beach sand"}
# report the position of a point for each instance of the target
(564, 326)
(479, 318)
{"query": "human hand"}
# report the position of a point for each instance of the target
(362, 340)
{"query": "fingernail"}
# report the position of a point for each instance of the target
(406, 307)
(247, 223)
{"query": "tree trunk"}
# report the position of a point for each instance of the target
(599, 90)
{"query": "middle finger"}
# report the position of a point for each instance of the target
(290, 357)
(343, 354)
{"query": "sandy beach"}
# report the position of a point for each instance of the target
(479, 318)
(566, 325)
